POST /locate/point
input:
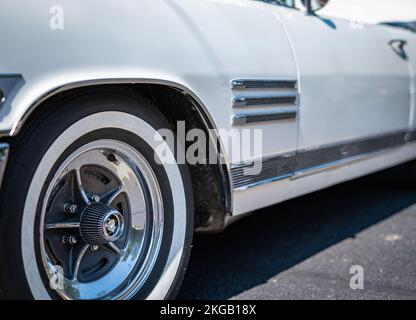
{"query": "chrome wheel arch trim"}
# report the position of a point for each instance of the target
(136, 126)
(107, 81)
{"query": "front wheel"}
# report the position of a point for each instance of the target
(87, 211)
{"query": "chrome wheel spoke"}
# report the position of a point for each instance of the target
(111, 195)
(81, 189)
(78, 262)
(62, 225)
(138, 219)
(116, 249)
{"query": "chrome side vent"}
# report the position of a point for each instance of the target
(241, 102)
(263, 84)
(272, 100)
(242, 119)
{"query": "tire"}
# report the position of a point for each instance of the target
(70, 239)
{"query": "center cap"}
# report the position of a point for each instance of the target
(101, 224)
(113, 225)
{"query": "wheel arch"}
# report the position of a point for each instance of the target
(211, 208)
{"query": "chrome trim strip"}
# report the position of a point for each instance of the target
(247, 118)
(333, 165)
(241, 102)
(4, 154)
(310, 161)
(272, 168)
(313, 157)
(263, 84)
(259, 183)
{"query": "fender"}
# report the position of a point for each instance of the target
(203, 113)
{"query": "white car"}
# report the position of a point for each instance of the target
(90, 210)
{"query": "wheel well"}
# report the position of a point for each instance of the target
(211, 186)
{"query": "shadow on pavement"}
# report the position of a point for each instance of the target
(274, 239)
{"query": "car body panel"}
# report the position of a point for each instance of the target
(268, 194)
(352, 84)
(187, 51)
(200, 46)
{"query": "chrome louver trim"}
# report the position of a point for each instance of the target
(241, 102)
(271, 94)
(249, 118)
(308, 161)
(263, 84)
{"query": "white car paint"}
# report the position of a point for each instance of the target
(279, 191)
(185, 47)
(352, 85)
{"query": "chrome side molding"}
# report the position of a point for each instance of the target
(308, 161)
(273, 169)
(310, 158)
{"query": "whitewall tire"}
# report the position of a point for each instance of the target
(95, 217)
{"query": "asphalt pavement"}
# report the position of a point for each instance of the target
(305, 248)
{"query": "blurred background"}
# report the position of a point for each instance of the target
(372, 11)
(399, 13)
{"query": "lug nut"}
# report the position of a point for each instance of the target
(69, 240)
(71, 208)
(95, 198)
(112, 158)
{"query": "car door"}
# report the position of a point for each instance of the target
(352, 84)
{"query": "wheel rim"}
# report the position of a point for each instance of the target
(101, 222)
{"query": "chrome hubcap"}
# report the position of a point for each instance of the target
(102, 222)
